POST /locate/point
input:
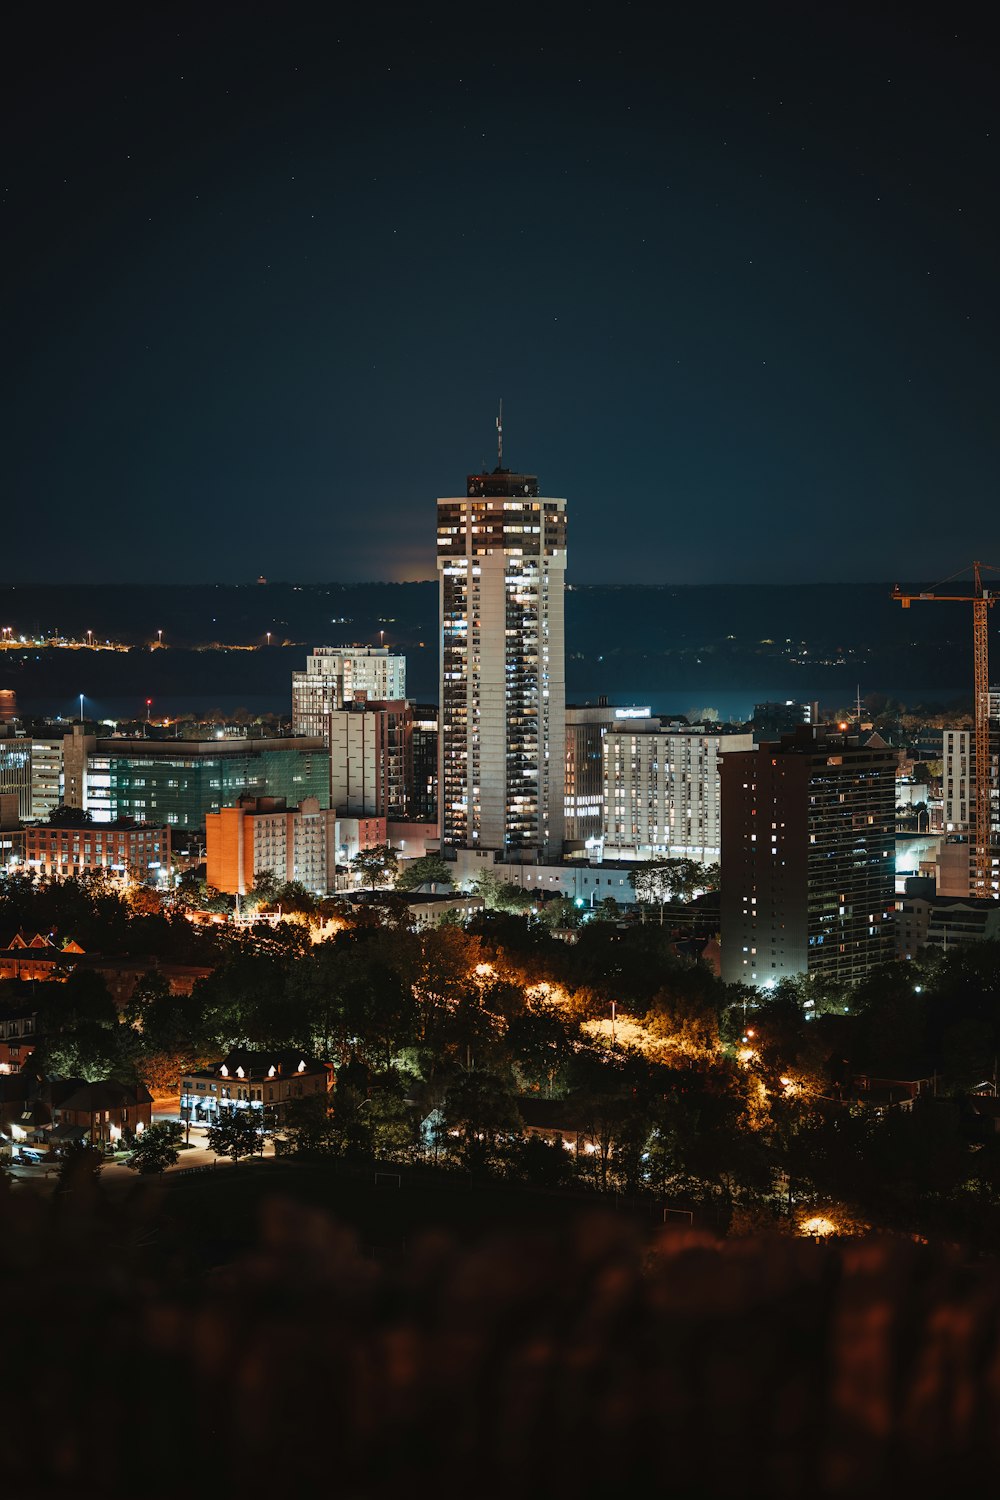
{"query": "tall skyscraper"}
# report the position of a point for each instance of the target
(502, 566)
(808, 857)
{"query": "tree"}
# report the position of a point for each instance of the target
(672, 880)
(487, 887)
(480, 1108)
(376, 866)
(265, 885)
(80, 1166)
(431, 870)
(156, 1149)
(293, 897)
(544, 1164)
(237, 1133)
(68, 817)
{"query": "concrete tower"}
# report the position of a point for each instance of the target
(502, 565)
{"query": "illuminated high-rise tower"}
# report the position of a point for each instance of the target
(502, 564)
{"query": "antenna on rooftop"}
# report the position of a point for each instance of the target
(500, 436)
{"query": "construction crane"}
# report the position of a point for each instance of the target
(981, 600)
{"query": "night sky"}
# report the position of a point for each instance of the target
(733, 272)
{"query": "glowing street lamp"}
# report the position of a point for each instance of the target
(81, 708)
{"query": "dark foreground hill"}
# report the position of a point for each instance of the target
(588, 1361)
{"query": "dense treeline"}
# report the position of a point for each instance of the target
(737, 1104)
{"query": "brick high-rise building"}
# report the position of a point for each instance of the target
(808, 857)
(262, 835)
(502, 567)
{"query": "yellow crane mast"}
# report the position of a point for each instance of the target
(981, 600)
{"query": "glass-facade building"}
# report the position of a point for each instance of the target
(177, 783)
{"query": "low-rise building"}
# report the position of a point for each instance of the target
(586, 884)
(18, 1035)
(99, 1113)
(925, 921)
(263, 1081)
(37, 957)
(423, 911)
(139, 851)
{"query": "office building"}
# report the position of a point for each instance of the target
(586, 726)
(371, 758)
(339, 675)
(179, 782)
(261, 835)
(960, 789)
(423, 794)
(808, 856)
(32, 768)
(15, 768)
(662, 789)
(958, 780)
(46, 777)
(502, 568)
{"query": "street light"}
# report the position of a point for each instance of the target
(159, 637)
(268, 636)
(81, 708)
(90, 637)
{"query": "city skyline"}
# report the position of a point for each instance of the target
(270, 278)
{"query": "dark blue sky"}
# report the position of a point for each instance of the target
(733, 273)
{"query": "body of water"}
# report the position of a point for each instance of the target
(732, 706)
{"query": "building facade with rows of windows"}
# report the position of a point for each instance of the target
(808, 858)
(263, 1081)
(502, 736)
(662, 793)
(178, 782)
(139, 852)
